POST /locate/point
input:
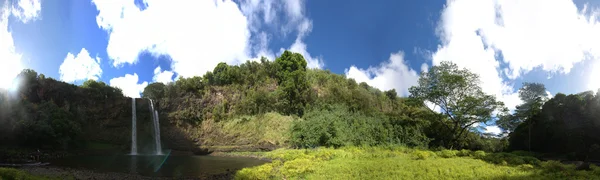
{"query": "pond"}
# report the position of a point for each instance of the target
(159, 166)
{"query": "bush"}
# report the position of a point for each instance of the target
(464, 152)
(479, 154)
(524, 153)
(556, 166)
(510, 159)
(422, 155)
(256, 173)
(447, 153)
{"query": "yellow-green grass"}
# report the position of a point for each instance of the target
(14, 174)
(269, 128)
(403, 163)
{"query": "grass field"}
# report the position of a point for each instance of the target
(404, 163)
(15, 174)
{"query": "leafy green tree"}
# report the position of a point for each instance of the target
(391, 94)
(154, 91)
(225, 74)
(293, 84)
(533, 96)
(458, 94)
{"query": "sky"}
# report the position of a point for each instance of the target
(385, 43)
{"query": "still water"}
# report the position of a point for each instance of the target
(163, 166)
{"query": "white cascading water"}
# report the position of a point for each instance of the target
(157, 129)
(154, 114)
(133, 129)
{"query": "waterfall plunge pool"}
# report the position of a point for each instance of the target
(158, 166)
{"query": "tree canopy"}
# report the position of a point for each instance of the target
(458, 94)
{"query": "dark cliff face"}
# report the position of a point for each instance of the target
(114, 123)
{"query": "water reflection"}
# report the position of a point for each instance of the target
(164, 166)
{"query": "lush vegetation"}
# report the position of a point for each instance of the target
(14, 174)
(406, 163)
(565, 125)
(265, 105)
(45, 113)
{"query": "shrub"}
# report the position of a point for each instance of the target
(526, 166)
(479, 154)
(556, 166)
(447, 153)
(524, 153)
(297, 167)
(422, 155)
(531, 160)
(464, 152)
(256, 173)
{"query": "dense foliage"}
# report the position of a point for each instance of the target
(308, 108)
(458, 95)
(45, 113)
(565, 124)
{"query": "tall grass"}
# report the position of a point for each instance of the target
(15, 174)
(269, 129)
(406, 163)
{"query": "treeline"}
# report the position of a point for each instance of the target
(45, 113)
(330, 109)
(564, 125)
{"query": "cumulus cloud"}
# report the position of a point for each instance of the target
(551, 34)
(493, 130)
(10, 63)
(129, 85)
(197, 35)
(312, 62)
(392, 74)
(80, 67)
(162, 76)
(424, 67)
(27, 10)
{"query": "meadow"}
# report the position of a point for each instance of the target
(406, 163)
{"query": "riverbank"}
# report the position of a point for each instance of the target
(59, 173)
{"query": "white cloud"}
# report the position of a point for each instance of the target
(551, 34)
(129, 85)
(433, 107)
(80, 67)
(162, 76)
(392, 74)
(10, 60)
(27, 10)
(424, 67)
(312, 62)
(550, 96)
(493, 130)
(197, 35)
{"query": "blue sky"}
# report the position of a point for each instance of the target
(386, 43)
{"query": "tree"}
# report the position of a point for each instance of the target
(293, 82)
(154, 91)
(533, 96)
(458, 94)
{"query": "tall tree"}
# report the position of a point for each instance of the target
(533, 96)
(458, 94)
(292, 82)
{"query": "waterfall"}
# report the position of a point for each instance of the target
(133, 129)
(154, 114)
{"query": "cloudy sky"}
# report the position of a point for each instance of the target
(386, 43)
